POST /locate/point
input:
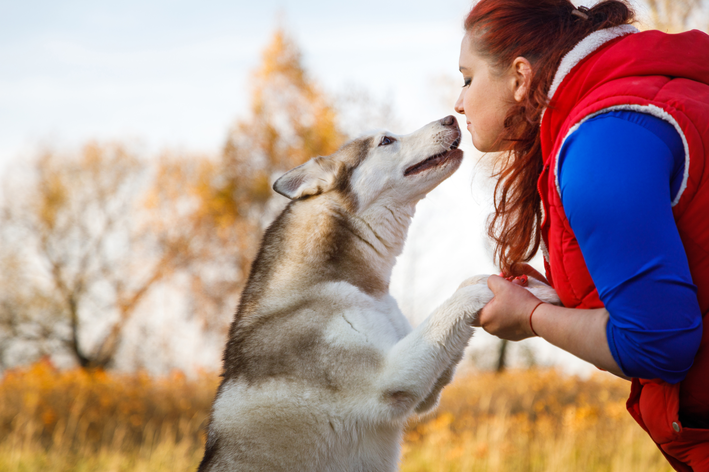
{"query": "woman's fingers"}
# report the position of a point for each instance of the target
(522, 280)
(522, 268)
(506, 316)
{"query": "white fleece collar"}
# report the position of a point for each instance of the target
(584, 48)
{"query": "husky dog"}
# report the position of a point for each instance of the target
(322, 370)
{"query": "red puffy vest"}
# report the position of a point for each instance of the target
(666, 76)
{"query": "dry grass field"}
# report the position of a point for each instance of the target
(533, 420)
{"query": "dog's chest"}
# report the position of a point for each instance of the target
(379, 326)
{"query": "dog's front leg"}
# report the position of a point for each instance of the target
(431, 400)
(420, 360)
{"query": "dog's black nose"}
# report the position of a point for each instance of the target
(448, 120)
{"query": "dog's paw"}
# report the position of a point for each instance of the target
(471, 297)
(543, 291)
(475, 280)
(540, 289)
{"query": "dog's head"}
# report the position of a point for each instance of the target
(380, 165)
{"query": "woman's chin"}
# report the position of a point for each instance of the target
(481, 145)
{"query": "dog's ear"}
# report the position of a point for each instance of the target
(316, 176)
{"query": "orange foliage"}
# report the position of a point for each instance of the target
(531, 420)
(89, 410)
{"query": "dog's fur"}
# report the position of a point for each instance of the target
(321, 369)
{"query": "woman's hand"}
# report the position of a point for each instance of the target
(580, 332)
(507, 314)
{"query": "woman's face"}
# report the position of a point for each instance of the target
(486, 97)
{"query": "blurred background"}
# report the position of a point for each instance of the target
(138, 145)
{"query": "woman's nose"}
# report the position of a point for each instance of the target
(459, 103)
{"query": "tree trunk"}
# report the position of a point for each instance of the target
(502, 356)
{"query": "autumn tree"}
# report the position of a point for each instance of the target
(77, 221)
(100, 229)
(27, 322)
(290, 121)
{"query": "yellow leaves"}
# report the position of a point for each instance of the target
(49, 417)
(88, 409)
(65, 187)
(52, 197)
(521, 420)
(292, 119)
(441, 422)
(281, 57)
(532, 420)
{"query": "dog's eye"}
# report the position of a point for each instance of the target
(386, 140)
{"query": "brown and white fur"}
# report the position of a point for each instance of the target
(322, 370)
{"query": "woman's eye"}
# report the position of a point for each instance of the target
(386, 140)
(466, 82)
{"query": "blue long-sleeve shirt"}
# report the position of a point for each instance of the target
(618, 175)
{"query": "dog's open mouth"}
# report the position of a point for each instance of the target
(436, 160)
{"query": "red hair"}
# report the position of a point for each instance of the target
(542, 31)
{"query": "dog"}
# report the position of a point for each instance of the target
(321, 369)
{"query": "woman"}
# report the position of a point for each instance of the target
(606, 133)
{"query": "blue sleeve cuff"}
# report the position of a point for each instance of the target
(672, 352)
(612, 346)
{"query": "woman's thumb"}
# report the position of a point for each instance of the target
(495, 282)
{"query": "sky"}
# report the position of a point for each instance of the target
(176, 75)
